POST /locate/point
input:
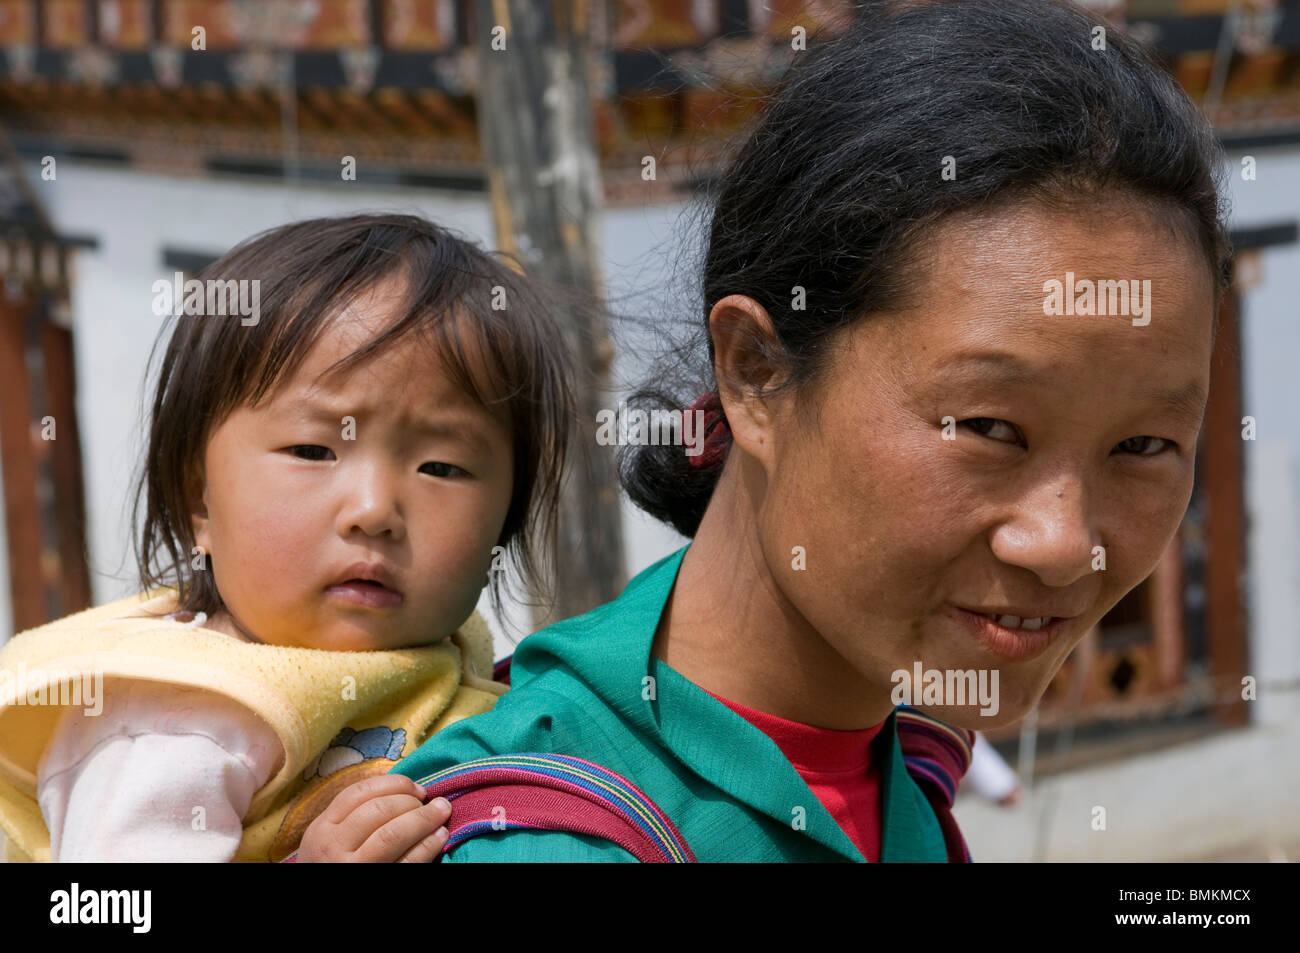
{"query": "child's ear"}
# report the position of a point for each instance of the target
(197, 497)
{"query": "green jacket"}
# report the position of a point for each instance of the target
(588, 687)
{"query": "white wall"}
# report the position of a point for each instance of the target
(134, 216)
(1270, 357)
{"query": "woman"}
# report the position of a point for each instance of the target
(961, 289)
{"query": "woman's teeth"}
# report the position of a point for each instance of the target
(1015, 622)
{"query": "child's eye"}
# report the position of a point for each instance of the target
(989, 427)
(1142, 450)
(441, 469)
(310, 452)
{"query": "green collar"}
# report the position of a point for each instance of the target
(715, 742)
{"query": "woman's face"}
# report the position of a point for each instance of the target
(1074, 439)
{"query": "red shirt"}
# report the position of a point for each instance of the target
(838, 766)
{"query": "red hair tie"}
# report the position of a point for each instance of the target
(717, 435)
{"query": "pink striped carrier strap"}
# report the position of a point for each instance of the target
(556, 793)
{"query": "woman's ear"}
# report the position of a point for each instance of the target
(743, 342)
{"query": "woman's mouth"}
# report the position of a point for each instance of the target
(366, 593)
(1009, 636)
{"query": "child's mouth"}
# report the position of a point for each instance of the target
(366, 593)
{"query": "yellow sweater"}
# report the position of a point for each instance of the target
(311, 698)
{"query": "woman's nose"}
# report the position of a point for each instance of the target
(372, 502)
(1050, 533)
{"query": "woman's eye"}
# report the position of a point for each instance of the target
(311, 452)
(441, 469)
(1135, 446)
(993, 428)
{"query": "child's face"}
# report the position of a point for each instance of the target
(295, 495)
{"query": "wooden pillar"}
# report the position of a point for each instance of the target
(17, 457)
(64, 468)
(535, 126)
(44, 496)
(1221, 460)
(1165, 610)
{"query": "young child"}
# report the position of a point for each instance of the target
(332, 474)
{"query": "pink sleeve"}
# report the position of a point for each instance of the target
(163, 773)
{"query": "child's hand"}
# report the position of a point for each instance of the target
(379, 820)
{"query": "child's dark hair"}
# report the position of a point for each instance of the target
(309, 271)
(838, 185)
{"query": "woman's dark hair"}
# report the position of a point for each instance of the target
(309, 272)
(837, 187)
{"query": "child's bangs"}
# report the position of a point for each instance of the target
(436, 310)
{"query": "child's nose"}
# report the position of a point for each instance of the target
(372, 503)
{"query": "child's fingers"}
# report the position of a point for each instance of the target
(370, 816)
(427, 851)
(395, 838)
(440, 809)
(354, 795)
